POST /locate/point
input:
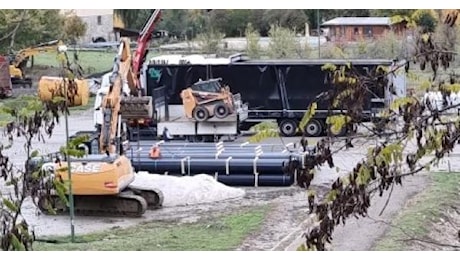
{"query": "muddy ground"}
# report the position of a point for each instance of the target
(282, 227)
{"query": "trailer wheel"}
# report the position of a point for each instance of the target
(221, 110)
(313, 128)
(200, 113)
(288, 127)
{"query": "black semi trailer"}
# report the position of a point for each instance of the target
(278, 90)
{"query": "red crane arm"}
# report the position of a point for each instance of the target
(144, 40)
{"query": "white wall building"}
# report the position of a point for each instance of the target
(99, 24)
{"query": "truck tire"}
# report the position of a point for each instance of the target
(221, 110)
(314, 128)
(288, 127)
(200, 113)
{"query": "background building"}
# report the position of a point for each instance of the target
(99, 23)
(349, 29)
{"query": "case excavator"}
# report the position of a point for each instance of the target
(100, 181)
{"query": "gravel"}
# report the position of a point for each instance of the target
(187, 190)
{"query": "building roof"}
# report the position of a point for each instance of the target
(358, 21)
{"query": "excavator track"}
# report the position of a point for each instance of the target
(126, 204)
(154, 197)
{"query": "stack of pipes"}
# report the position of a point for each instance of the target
(232, 164)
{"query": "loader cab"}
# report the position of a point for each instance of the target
(211, 86)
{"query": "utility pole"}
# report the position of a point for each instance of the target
(63, 49)
(71, 203)
(319, 34)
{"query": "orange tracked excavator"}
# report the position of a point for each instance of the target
(100, 182)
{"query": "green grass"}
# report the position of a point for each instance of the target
(91, 61)
(423, 210)
(85, 107)
(218, 234)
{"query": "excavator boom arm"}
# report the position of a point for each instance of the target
(31, 51)
(121, 72)
(116, 106)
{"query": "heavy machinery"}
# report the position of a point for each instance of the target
(76, 88)
(101, 179)
(207, 98)
(275, 90)
(134, 100)
(18, 61)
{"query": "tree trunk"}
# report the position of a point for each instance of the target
(13, 33)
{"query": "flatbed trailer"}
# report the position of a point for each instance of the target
(170, 122)
(275, 90)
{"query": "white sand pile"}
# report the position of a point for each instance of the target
(187, 190)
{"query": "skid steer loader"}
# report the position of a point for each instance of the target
(206, 99)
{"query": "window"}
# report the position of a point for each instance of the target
(367, 31)
(356, 31)
(207, 86)
(99, 20)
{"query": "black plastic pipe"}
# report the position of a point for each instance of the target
(211, 154)
(210, 166)
(206, 145)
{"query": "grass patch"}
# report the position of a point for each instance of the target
(423, 210)
(85, 107)
(91, 61)
(217, 234)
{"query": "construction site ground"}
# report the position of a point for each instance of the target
(282, 228)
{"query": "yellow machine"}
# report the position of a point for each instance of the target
(50, 87)
(19, 61)
(207, 98)
(100, 181)
(77, 87)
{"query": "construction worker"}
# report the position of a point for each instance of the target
(166, 135)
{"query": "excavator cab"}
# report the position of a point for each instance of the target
(207, 98)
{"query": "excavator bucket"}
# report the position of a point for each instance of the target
(50, 87)
(136, 107)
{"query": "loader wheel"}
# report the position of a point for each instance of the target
(200, 114)
(221, 110)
